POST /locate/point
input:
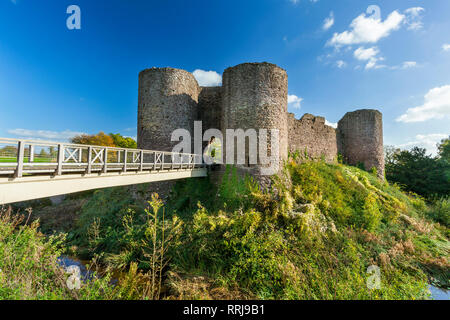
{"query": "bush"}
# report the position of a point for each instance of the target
(313, 235)
(419, 173)
(29, 266)
(440, 211)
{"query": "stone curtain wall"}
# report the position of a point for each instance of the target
(253, 96)
(210, 107)
(310, 134)
(361, 139)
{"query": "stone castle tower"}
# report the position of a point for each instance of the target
(253, 96)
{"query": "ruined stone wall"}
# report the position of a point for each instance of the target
(167, 101)
(255, 97)
(312, 136)
(210, 107)
(360, 139)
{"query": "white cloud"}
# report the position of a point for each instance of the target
(427, 141)
(366, 54)
(415, 11)
(370, 55)
(44, 134)
(328, 22)
(414, 18)
(367, 29)
(295, 101)
(331, 124)
(436, 106)
(446, 47)
(207, 78)
(341, 64)
(409, 64)
(405, 65)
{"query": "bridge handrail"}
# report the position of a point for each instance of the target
(70, 154)
(47, 143)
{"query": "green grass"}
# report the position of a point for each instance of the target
(312, 236)
(26, 160)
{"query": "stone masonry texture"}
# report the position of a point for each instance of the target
(361, 139)
(167, 101)
(253, 96)
(311, 136)
(210, 107)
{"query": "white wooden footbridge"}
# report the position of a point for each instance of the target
(38, 169)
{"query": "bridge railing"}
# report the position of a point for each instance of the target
(24, 157)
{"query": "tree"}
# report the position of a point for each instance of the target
(444, 156)
(418, 172)
(106, 140)
(444, 150)
(99, 139)
(123, 142)
(389, 153)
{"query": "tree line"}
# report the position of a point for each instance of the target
(416, 171)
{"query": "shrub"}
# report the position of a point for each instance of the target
(440, 211)
(29, 266)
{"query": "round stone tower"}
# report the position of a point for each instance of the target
(167, 101)
(254, 96)
(360, 139)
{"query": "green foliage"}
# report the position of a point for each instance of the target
(234, 191)
(420, 173)
(186, 194)
(444, 150)
(101, 226)
(312, 235)
(123, 142)
(29, 267)
(440, 211)
(347, 195)
(318, 217)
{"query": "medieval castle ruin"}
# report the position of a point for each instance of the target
(253, 95)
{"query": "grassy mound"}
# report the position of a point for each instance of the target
(315, 236)
(324, 231)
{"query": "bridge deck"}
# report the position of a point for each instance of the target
(38, 169)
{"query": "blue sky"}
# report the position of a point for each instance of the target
(339, 56)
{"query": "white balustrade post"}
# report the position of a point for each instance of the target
(20, 157)
(105, 160)
(125, 156)
(89, 161)
(60, 159)
(141, 168)
(31, 156)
